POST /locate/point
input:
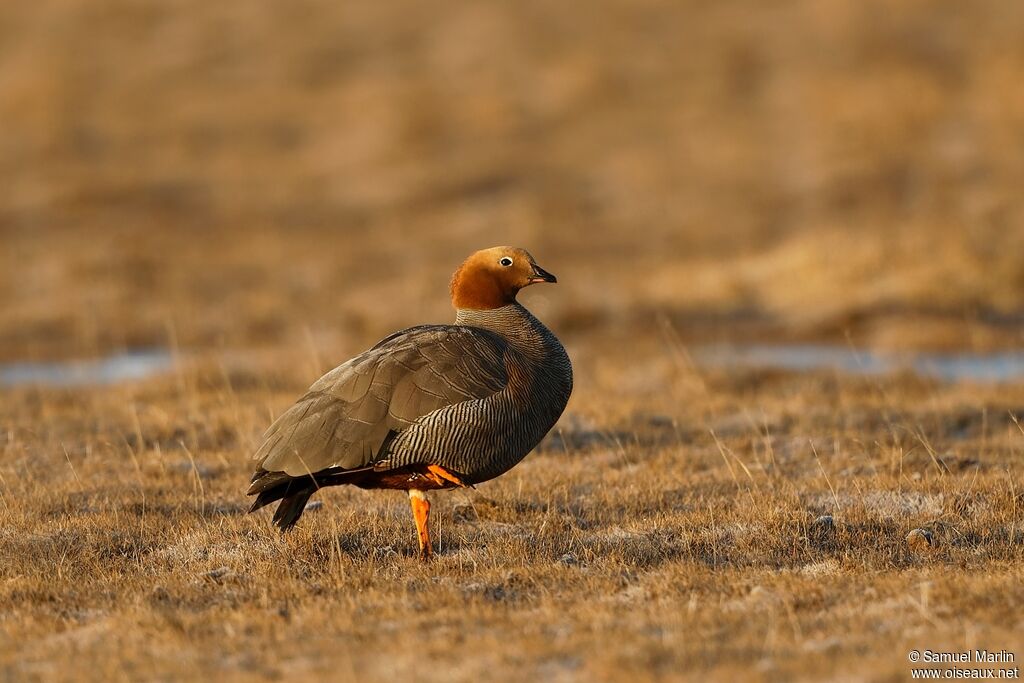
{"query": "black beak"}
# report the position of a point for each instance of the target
(541, 275)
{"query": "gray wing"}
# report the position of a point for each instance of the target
(349, 413)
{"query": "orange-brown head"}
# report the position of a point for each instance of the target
(491, 278)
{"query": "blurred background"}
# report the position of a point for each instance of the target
(259, 175)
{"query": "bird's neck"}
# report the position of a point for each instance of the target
(513, 322)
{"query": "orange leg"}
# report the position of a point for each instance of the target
(421, 513)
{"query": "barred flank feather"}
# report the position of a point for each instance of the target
(486, 437)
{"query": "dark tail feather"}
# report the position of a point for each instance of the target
(294, 492)
(291, 508)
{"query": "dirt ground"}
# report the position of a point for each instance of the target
(264, 190)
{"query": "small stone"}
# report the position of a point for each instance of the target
(825, 522)
(386, 552)
(827, 567)
(920, 540)
(218, 574)
(568, 560)
(464, 512)
(314, 505)
(822, 530)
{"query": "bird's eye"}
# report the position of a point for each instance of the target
(505, 261)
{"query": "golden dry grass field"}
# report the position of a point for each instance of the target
(262, 190)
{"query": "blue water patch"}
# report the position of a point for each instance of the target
(121, 367)
(951, 367)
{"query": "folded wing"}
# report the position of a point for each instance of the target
(350, 414)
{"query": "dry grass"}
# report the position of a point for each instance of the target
(675, 544)
(249, 184)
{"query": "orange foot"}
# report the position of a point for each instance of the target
(421, 513)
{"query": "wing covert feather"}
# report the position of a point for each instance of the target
(347, 414)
